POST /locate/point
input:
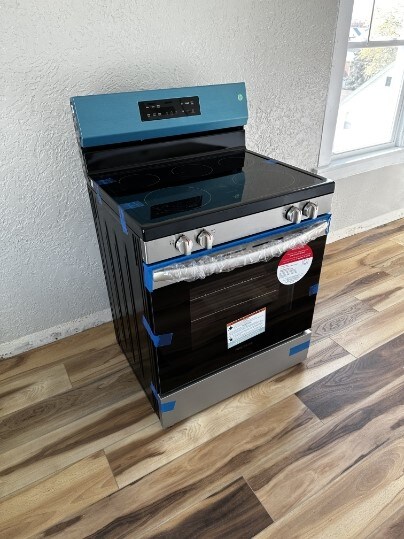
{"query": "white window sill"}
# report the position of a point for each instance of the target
(343, 168)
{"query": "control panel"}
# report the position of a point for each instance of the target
(161, 109)
(191, 241)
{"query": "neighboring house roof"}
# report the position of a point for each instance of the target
(368, 83)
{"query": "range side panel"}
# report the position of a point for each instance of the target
(121, 259)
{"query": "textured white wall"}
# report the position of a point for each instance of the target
(366, 200)
(51, 269)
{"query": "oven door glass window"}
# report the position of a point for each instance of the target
(228, 316)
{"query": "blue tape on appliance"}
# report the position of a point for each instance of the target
(163, 406)
(299, 348)
(127, 206)
(158, 340)
(271, 161)
(313, 290)
(148, 277)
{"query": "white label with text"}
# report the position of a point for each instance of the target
(245, 328)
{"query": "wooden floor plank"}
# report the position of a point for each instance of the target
(83, 369)
(360, 243)
(92, 339)
(398, 238)
(350, 283)
(393, 266)
(64, 446)
(31, 387)
(232, 513)
(387, 523)
(343, 508)
(356, 381)
(374, 256)
(135, 456)
(192, 477)
(367, 335)
(60, 410)
(51, 500)
(329, 452)
(333, 315)
(385, 294)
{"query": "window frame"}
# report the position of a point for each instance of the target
(362, 159)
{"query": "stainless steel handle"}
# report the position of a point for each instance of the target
(209, 265)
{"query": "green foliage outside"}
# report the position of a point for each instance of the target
(369, 62)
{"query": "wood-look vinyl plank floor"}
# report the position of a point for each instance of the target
(97, 364)
(218, 516)
(356, 380)
(47, 502)
(141, 506)
(371, 333)
(34, 386)
(330, 451)
(385, 294)
(317, 451)
(61, 410)
(333, 316)
(91, 339)
(345, 506)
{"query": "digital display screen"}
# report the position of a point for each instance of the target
(163, 109)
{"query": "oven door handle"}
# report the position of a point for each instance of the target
(205, 266)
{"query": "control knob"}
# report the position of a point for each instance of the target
(310, 210)
(184, 245)
(294, 214)
(205, 239)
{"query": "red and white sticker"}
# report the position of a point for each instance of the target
(294, 264)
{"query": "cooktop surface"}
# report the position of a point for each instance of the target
(172, 191)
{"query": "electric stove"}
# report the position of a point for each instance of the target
(212, 253)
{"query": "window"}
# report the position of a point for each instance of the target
(364, 114)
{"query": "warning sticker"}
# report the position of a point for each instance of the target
(294, 264)
(245, 328)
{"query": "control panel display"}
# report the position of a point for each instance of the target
(169, 108)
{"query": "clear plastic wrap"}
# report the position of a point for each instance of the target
(202, 267)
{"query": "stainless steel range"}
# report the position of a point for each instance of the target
(212, 253)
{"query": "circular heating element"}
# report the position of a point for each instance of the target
(190, 170)
(140, 181)
(180, 194)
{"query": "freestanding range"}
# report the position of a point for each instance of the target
(212, 253)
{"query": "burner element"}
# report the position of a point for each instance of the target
(190, 170)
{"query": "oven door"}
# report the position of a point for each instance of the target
(216, 308)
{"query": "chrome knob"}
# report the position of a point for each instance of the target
(205, 239)
(294, 215)
(310, 210)
(184, 245)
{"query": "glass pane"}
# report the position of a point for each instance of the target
(360, 23)
(388, 20)
(370, 94)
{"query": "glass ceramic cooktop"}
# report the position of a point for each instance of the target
(175, 189)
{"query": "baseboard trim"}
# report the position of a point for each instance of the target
(23, 344)
(365, 225)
